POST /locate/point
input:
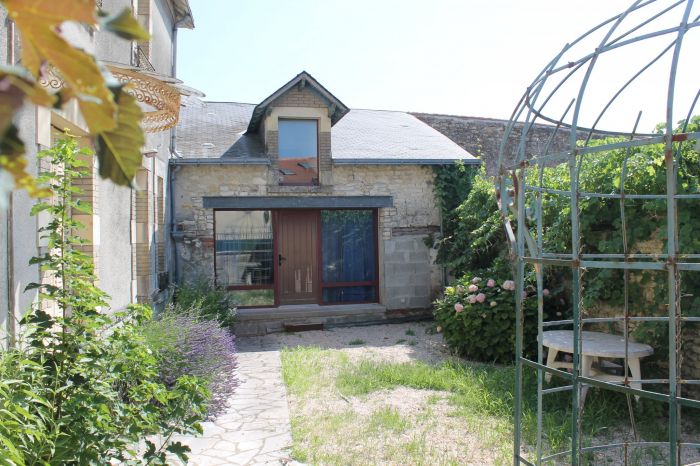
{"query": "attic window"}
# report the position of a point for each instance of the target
(298, 148)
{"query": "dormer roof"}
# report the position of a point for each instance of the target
(336, 109)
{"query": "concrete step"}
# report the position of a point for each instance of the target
(261, 321)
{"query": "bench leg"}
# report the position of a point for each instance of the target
(636, 374)
(586, 369)
(551, 358)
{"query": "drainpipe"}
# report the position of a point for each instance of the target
(172, 170)
(9, 250)
(171, 194)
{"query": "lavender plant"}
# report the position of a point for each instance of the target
(187, 344)
(207, 299)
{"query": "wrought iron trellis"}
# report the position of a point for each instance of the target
(668, 25)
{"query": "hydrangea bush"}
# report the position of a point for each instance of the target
(477, 317)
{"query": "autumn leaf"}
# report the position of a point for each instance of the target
(124, 25)
(39, 21)
(119, 150)
(14, 88)
(12, 160)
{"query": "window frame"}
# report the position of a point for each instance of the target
(315, 181)
(271, 286)
(321, 283)
(374, 283)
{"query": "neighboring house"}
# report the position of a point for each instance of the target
(307, 211)
(126, 232)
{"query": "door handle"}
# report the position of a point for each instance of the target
(280, 259)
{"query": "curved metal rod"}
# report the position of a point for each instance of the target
(678, 154)
(649, 20)
(621, 90)
(588, 57)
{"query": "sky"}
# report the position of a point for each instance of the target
(460, 57)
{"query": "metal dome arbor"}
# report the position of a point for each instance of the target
(659, 29)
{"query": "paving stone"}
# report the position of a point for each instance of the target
(255, 429)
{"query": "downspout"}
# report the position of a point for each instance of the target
(172, 170)
(171, 193)
(10, 323)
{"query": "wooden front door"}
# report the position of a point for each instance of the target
(297, 248)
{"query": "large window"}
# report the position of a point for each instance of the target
(244, 255)
(298, 151)
(349, 256)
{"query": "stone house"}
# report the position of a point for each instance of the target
(309, 212)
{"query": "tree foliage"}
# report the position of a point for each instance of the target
(112, 115)
(477, 242)
(473, 236)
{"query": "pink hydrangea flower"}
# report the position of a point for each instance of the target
(472, 299)
(481, 297)
(460, 289)
(545, 292)
(459, 308)
(476, 280)
(509, 285)
(473, 288)
(491, 283)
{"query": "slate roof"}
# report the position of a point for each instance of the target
(216, 130)
(385, 137)
(215, 133)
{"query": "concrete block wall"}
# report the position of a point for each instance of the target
(408, 278)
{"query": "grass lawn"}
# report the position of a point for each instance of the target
(354, 411)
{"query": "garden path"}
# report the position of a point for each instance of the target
(254, 430)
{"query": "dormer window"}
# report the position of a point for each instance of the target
(298, 151)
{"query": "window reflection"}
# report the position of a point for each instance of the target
(298, 151)
(349, 255)
(244, 248)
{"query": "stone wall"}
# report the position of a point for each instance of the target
(482, 136)
(408, 279)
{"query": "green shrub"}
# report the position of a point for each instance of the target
(208, 299)
(81, 387)
(473, 236)
(476, 238)
(477, 317)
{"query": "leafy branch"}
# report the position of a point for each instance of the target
(112, 115)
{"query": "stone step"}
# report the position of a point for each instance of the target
(261, 321)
